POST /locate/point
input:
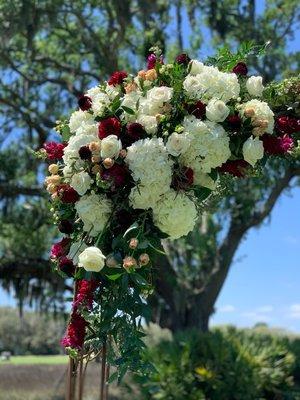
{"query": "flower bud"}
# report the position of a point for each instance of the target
(151, 75)
(144, 259)
(129, 263)
(130, 87)
(96, 159)
(95, 147)
(53, 169)
(108, 163)
(133, 243)
(51, 188)
(142, 74)
(96, 169)
(111, 262)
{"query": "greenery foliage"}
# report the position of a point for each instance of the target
(227, 364)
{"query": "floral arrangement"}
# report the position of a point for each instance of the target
(137, 160)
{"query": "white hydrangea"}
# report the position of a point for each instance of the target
(212, 83)
(100, 100)
(209, 145)
(261, 111)
(94, 210)
(150, 165)
(112, 91)
(71, 155)
(145, 197)
(80, 121)
(175, 214)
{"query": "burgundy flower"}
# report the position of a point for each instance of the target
(117, 78)
(118, 174)
(75, 334)
(85, 153)
(134, 132)
(109, 126)
(183, 59)
(235, 167)
(66, 265)
(66, 226)
(240, 69)
(67, 194)
(152, 59)
(234, 122)
(124, 218)
(60, 248)
(286, 124)
(197, 109)
(277, 145)
(85, 103)
(183, 179)
(54, 150)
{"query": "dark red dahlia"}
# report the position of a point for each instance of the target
(197, 109)
(66, 226)
(67, 194)
(183, 179)
(85, 153)
(277, 145)
(134, 132)
(84, 103)
(240, 69)
(66, 265)
(109, 126)
(117, 174)
(183, 59)
(55, 151)
(85, 293)
(60, 248)
(117, 78)
(234, 122)
(286, 124)
(235, 167)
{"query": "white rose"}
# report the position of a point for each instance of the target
(217, 111)
(254, 86)
(149, 122)
(253, 150)
(160, 94)
(91, 259)
(81, 182)
(196, 67)
(177, 143)
(110, 146)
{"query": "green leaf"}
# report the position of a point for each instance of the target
(138, 279)
(65, 133)
(128, 110)
(113, 277)
(156, 249)
(132, 227)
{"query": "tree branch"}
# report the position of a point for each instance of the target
(10, 190)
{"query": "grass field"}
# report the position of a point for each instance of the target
(43, 378)
(37, 360)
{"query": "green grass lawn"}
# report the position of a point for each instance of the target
(30, 360)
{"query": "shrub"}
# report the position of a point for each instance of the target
(225, 364)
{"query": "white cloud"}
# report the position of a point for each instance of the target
(294, 311)
(227, 308)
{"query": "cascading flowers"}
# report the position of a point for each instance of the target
(138, 157)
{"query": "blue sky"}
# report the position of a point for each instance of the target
(264, 282)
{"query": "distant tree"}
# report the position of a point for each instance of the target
(31, 334)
